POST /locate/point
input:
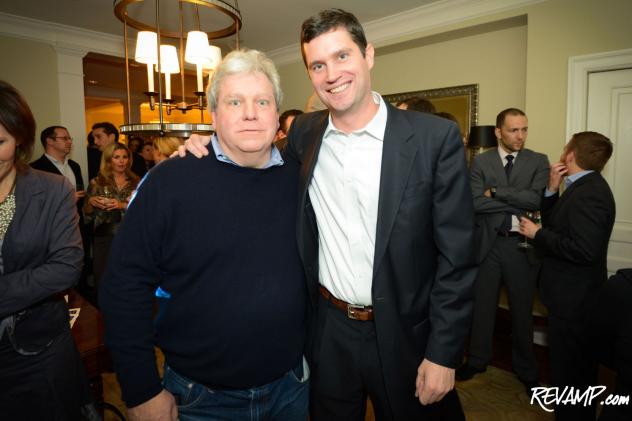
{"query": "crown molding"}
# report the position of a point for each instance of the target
(65, 39)
(391, 29)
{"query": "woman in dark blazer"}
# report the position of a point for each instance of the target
(41, 373)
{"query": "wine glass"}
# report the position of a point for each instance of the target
(536, 219)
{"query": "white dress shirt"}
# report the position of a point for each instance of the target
(515, 223)
(64, 169)
(344, 193)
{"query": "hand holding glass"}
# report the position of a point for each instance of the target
(534, 216)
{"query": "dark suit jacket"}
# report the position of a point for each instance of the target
(42, 257)
(45, 164)
(522, 192)
(574, 244)
(424, 266)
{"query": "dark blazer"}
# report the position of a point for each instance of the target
(45, 164)
(424, 266)
(42, 257)
(574, 244)
(522, 192)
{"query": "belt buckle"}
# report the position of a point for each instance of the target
(351, 309)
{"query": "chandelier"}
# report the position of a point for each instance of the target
(164, 59)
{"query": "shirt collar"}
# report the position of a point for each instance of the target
(56, 161)
(503, 154)
(275, 156)
(573, 178)
(374, 128)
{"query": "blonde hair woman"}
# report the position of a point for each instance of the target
(164, 147)
(108, 196)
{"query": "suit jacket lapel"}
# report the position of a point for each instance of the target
(497, 164)
(398, 155)
(310, 154)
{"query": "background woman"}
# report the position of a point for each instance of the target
(164, 147)
(41, 374)
(108, 196)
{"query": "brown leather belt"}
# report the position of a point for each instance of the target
(355, 312)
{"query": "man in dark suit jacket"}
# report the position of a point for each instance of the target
(385, 230)
(57, 144)
(506, 182)
(573, 243)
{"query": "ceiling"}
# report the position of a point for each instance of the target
(267, 24)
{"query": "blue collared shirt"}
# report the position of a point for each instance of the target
(275, 155)
(568, 181)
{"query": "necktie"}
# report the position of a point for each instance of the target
(509, 165)
(506, 226)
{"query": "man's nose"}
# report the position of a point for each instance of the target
(250, 111)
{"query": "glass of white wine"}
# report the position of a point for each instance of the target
(535, 217)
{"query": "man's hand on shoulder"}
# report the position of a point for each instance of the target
(433, 382)
(161, 407)
(196, 144)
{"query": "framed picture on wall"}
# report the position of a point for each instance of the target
(460, 101)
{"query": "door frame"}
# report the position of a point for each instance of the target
(579, 68)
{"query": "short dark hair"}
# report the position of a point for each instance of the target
(592, 150)
(329, 20)
(17, 119)
(420, 104)
(283, 118)
(500, 118)
(108, 128)
(49, 132)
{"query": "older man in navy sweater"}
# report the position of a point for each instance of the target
(232, 320)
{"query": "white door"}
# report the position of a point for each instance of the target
(609, 111)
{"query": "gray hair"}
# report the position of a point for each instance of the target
(244, 61)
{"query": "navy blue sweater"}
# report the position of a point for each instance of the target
(221, 240)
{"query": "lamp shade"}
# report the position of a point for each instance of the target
(146, 47)
(196, 51)
(482, 137)
(214, 56)
(169, 59)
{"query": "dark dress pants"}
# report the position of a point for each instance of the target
(509, 264)
(348, 369)
(571, 365)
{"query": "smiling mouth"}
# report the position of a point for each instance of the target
(339, 89)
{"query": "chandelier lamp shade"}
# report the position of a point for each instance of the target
(164, 59)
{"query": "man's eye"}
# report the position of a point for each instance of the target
(263, 102)
(234, 102)
(343, 56)
(317, 67)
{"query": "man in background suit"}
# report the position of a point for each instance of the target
(57, 144)
(506, 182)
(573, 243)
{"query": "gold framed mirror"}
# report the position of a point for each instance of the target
(460, 101)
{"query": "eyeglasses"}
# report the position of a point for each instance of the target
(64, 138)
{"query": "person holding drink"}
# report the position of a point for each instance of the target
(107, 199)
(573, 242)
(507, 182)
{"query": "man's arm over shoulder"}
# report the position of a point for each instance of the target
(453, 222)
(127, 291)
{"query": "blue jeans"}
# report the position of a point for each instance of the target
(284, 399)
